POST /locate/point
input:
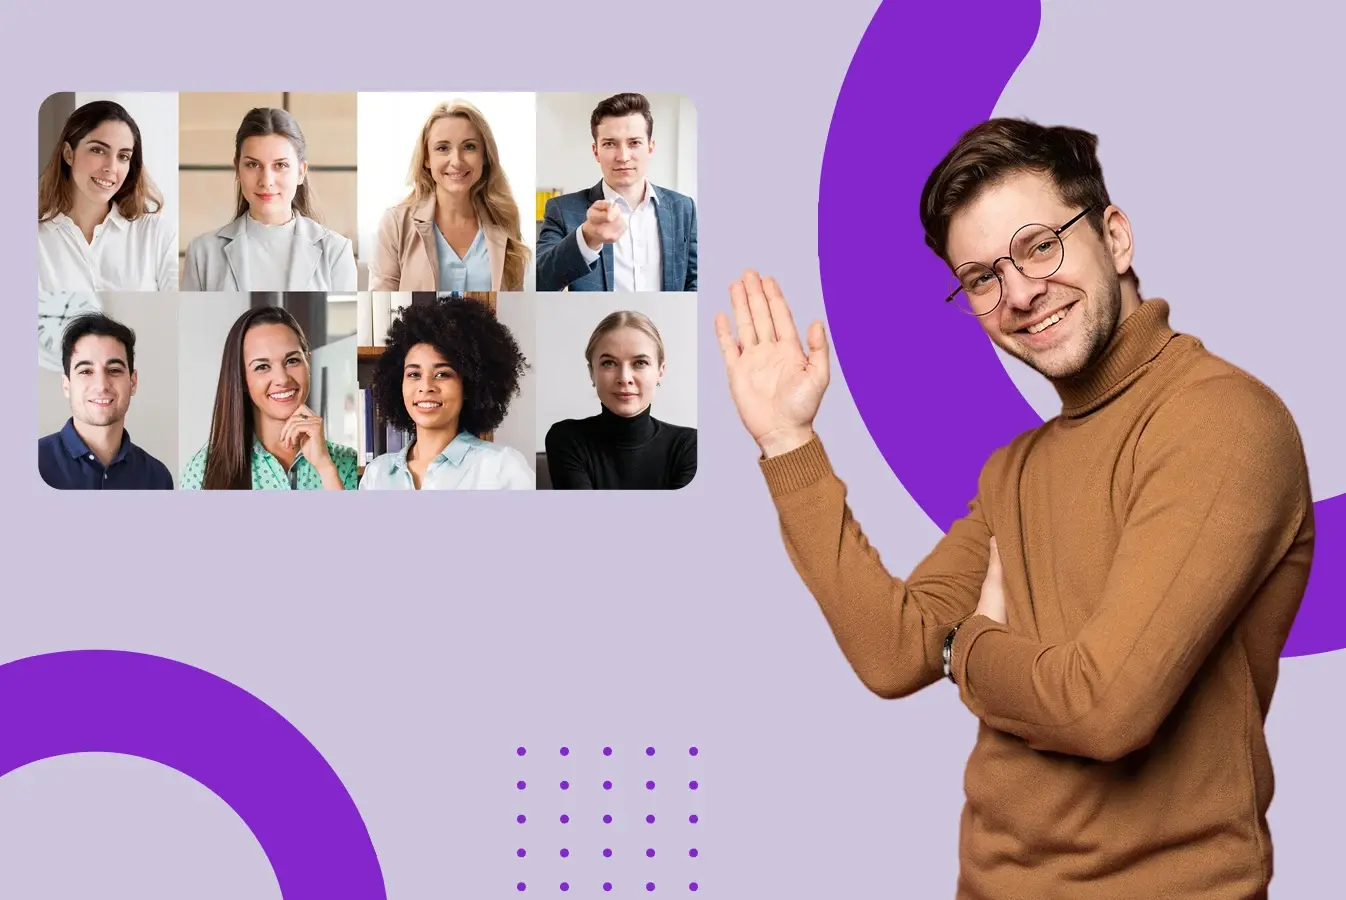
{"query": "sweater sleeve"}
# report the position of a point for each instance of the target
(1220, 494)
(891, 631)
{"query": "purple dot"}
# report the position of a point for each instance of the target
(521, 886)
(521, 819)
(607, 751)
(565, 785)
(565, 751)
(607, 885)
(565, 818)
(521, 853)
(649, 751)
(564, 886)
(649, 785)
(692, 852)
(607, 820)
(692, 785)
(521, 751)
(692, 886)
(650, 853)
(650, 818)
(693, 818)
(565, 853)
(607, 852)
(694, 752)
(521, 785)
(607, 785)
(649, 885)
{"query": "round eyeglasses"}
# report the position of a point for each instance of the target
(1037, 251)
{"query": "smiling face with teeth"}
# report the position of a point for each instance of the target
(277, 370)
(1061, 324)
(431, 389)
(101, 163)
(101, 383)
(454, 155)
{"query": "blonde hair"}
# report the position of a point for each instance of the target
(491, 195)
(623, 318)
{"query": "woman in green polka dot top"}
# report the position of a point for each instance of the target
(263, 436)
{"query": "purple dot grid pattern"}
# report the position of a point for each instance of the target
(212, 731)
(595, 783)
(893, 391)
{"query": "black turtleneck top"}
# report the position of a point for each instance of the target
(608, 452)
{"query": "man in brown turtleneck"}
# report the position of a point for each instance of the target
(1113, 606)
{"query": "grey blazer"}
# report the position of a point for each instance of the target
(218, 260)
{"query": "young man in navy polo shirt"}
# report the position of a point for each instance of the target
(93, 452)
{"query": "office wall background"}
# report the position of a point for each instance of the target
(152, 419)
(390, 125)
(563, 328)
(565, 145)
(209, 122)
(517, 313)
(204, 323)
(156, 115)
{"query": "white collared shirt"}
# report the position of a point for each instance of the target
(637, 258)
(467, 464)
(140, 255)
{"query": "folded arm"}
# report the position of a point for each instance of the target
(1219, 496)
(891, 631)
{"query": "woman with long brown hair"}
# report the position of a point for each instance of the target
(275, 241)
(459, 228)
(100, 221)
(263, 435)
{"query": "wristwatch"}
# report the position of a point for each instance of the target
(948, 651)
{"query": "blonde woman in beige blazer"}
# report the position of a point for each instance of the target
(459, 228)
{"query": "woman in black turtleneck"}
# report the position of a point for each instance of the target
(623, 447)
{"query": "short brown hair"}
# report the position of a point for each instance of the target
(998, 148)
(619, 106)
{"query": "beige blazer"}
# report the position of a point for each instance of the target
(406, 260)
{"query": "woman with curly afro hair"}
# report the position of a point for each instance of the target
(447, 375)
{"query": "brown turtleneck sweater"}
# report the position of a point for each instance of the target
(1156, 538)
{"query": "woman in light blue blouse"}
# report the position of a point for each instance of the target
(263, 435)
(446, 377)
(275, 241)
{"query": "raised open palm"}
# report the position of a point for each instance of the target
(775, 385)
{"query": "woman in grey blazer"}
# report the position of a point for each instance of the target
(275, 242)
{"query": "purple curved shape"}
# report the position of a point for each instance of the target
(212, 731)
(911, 90)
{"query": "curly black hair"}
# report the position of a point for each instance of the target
(480, 348)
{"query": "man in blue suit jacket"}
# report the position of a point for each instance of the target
(624, 233)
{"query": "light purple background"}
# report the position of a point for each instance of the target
(539, 622)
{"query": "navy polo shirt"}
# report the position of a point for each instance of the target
(66, 463)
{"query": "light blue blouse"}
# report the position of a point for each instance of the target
(467, 463)
(456, 273)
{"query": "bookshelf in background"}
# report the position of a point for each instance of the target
(375, 311)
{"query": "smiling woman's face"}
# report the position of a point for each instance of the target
(431, 389)
(102, 161)
(277, 370)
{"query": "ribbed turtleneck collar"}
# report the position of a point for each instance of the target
(1137, 341)
(626, 431)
